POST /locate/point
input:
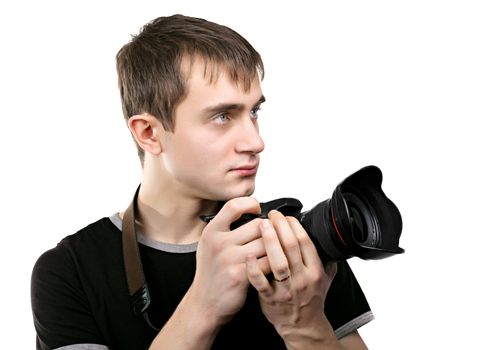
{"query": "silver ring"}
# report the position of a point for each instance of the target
(282, 280)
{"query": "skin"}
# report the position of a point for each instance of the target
(216, 124)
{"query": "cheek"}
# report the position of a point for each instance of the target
(200, 158)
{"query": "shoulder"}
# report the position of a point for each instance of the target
(65, 283)
(84, 249)
(93, 235)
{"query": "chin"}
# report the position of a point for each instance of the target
(234, 193)
(227, 190)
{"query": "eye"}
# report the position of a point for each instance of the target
(221, 118)
(255, 112)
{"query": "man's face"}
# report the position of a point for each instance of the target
(213, 152)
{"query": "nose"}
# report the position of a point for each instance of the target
(249, 140)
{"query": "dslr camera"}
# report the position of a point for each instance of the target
(358, 220)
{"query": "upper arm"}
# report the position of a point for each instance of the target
(353, 341)
(61, 311)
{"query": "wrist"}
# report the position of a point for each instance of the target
(317, 334)
(204, 318)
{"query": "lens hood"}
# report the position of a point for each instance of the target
(366, 221)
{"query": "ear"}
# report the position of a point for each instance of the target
(145, 129)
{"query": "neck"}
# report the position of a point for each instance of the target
(168, 215)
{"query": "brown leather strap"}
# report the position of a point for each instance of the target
(140, 297)
(131, 254)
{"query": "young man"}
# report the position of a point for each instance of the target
(191, 94)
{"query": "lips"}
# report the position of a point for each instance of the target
(246, 170)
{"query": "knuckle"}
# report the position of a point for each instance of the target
(269, 238)
(290, 243)
(286, 297)
(235, 276)
(233, 205)
(263, 290)
(256, 222)
(254, 274)
(303, 237)
(318, 276)
(253, 201)
(264, 265)
(301, 284)
(292, 220)
(281, 270)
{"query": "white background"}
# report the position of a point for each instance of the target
(404, 85)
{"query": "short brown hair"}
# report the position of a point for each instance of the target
(150, 74)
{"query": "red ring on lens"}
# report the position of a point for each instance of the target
(337, 231)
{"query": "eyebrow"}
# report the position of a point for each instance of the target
(230, 106)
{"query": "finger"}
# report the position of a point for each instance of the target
(256, 276)
(247, 232)
(307, 248)
(288, 240)
(264, 265)
(255, 247)
(232, 210)
(277, 259)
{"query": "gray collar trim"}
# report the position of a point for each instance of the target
(165, 247)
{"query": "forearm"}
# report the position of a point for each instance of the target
(188, 328)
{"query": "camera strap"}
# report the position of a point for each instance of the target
(137, 286)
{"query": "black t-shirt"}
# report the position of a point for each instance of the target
(80, 296)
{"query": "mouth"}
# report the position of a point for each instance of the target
(246, 170)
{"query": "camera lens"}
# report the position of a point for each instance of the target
(359, 227)
(358, 220)
(362, 219)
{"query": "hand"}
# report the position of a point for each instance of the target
(294, 300)
(220, 285)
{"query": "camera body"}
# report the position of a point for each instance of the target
(358, 220)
